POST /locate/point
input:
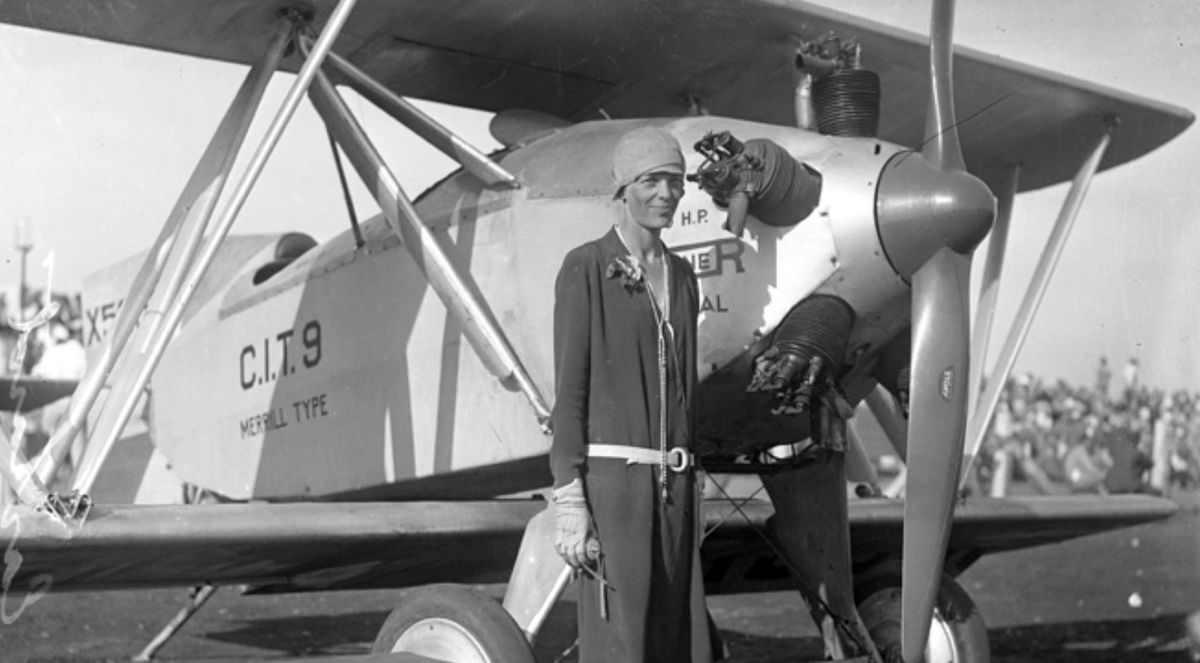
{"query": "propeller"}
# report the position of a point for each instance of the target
(932, 214)
(936, 427)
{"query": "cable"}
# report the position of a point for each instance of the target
(337, 160)
(842, 624)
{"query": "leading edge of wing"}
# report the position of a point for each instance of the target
(322, 545)
(989, 525)
(301, 546)
(983, 526)
(632, 58)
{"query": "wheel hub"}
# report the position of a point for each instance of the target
(881, 614)
(443, 639)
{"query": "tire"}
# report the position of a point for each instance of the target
(453, 623)
(957, 635)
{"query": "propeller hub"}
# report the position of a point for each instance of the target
(920, 208)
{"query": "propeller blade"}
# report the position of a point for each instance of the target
(936, 427)
(941, 143)
(940, 368)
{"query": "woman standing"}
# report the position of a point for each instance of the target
(625, 361)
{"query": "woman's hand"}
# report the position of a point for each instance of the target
(573, 526)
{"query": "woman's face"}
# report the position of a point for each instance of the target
(651, 199)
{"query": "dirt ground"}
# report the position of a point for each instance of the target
(1108, 598)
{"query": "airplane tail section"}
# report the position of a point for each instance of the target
(135, 471)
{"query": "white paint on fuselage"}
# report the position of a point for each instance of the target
(834, 251)
(393, 368)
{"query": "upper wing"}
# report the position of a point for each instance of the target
(321, 546)
(650, 58)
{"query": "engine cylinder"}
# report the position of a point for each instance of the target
(786, 191)
(846, 103)
(817, 327)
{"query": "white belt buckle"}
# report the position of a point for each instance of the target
(679, 460)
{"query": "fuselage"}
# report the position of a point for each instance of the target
(341, 374)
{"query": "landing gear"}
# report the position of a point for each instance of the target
(958, 634)
(453, 623)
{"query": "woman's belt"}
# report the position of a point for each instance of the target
(678, 459)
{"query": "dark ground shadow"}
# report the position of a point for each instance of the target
(1118, 641)
(307, 635)
(353, 633)
(1159, 639)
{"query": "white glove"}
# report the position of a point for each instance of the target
(573, 526)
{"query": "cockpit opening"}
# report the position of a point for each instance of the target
(287, 248)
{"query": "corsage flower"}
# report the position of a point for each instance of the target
(633, 277)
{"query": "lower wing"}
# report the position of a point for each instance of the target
(324, 546)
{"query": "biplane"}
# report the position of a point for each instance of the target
(372, 410)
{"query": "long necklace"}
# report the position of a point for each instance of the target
(662, 325)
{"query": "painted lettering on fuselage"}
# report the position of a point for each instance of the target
(694, 217)
(713, 258)
(311, 408)
(712, 304)
(258, 424)
(98, 321)
(280, 355)
(298, 412)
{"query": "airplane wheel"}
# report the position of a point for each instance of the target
(957, 635)
(453, 623)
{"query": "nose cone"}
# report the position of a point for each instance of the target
(919, 208)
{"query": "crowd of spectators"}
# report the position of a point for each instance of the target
(1102, 438)
(52, 350)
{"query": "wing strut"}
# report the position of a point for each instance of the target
(977, 427)
(985, 308)
(891, 420)
(190, 215)
(200, 595)
(460, 300)
(477, 163)
(887, 414)
(859, 468)
(18, 476)
(174, 314)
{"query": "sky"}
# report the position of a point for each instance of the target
(98, 139)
